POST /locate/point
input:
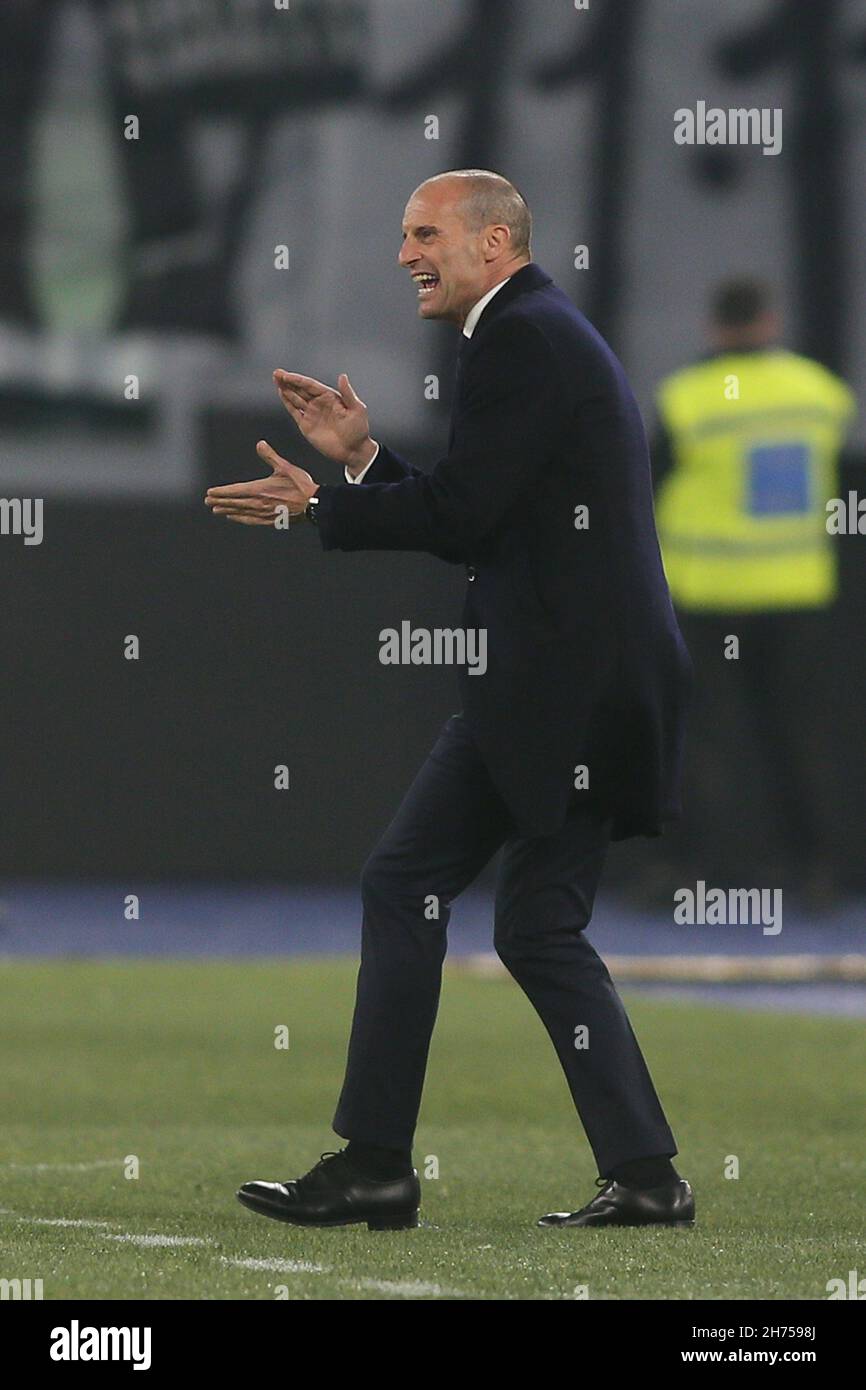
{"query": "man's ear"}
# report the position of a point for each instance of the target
(496, 240)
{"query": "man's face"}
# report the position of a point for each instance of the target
(445, 259)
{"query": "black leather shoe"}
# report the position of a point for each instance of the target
(334, 1193)
(615, 1205)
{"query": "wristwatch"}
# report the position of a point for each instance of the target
(311, 509)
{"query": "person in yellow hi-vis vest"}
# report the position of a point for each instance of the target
(745, 459)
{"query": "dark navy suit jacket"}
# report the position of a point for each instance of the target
(585, 662)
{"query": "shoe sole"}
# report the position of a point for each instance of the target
(406, 1222)
(619, 1225)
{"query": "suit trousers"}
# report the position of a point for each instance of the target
(450, 823)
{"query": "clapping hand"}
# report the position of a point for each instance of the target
(261, 502)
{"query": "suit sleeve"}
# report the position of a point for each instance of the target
(512, 407)
(388, 467)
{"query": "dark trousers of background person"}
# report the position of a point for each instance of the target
(761, 784)
(450, 823)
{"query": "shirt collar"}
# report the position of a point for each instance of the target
(478, 309)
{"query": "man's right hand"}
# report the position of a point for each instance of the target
(334, 422)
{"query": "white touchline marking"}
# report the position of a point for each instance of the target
(64, 1167)
(61, 1221)
(153, 1240)
(416, 1288)
(82, 1224)
(130, 1239)
(277, 1266)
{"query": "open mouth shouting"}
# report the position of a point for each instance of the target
(426, 282)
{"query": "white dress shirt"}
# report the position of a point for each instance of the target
(468, 329)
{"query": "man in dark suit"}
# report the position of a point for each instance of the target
(571, 737)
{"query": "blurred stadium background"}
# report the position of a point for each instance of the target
(154, 258)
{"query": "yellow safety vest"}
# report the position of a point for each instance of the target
(742, 514)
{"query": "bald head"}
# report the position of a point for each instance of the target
(464, 231)
(486, 199)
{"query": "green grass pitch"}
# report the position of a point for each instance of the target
(175, 1064)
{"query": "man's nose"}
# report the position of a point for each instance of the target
(406, 255)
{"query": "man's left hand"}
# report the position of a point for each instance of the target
(261, 501)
